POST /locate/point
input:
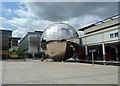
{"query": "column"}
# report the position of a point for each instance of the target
(98, 54)
(117, 57)
(33, 55)
(86, 53)
(38, 44)
(103, 49)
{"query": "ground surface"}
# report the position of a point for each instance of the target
(37, 72)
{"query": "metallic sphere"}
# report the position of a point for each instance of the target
(59, 31)
(54, 41)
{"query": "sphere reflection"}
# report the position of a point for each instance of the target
(54, 41)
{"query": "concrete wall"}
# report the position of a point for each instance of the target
(100, 37)
(107, 35)
(108, 23)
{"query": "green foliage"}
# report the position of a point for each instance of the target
(19, 52)
(16, 52)
(10, 52)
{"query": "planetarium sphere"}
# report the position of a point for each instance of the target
(54, 41)
(59, 31)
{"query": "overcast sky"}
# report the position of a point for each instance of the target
(23, 17)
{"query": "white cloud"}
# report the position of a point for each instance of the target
(25, 25)
(2, 19)
(9, 10)
(2, 28)
(82, 21)
(22, 11)
(28, 21)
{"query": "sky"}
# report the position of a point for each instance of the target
(23, 17)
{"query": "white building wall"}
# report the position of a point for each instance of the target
(94, 38)
(100, 37)
(76, 40)
(102, 34)
(108, 23)
(107, 35)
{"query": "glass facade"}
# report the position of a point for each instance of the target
(31, 43)
(5, 32)
(5, 39)
(24, 44)
(5, 42)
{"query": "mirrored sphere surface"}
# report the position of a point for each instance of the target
(59, 31)
(54, 41)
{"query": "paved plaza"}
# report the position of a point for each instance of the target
(37, 72)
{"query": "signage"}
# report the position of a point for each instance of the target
(92, 50)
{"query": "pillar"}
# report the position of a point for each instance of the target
(86, 52)
(33, 55)
(103, 49)
(117, 57)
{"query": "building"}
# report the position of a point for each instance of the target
(102, 38)
(5, 44)
(14, 46)
(8, 43)
(30, 43)
(14, 43)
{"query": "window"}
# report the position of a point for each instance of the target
(116, 34)
(4, 47)
(80, 40)
(66, 30)
(5, 33)
(111, 35)
(14, 43)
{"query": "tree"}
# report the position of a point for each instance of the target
(9, 52)
(17, 52)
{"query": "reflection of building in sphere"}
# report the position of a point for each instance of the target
(59, 31)
(54, 41)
